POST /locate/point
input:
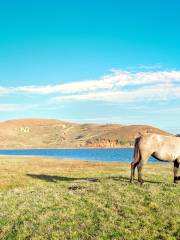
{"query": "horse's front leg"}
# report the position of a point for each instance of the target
(176, 168)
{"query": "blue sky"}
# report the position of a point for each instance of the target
(91, 61)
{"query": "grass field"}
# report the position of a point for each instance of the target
(43, 198)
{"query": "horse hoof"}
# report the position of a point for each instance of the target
(176, 179)
(131, 181)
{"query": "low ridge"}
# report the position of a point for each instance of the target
(50, 133)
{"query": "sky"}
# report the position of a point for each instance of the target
(99, 61)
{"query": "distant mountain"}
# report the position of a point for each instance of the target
(49, 133)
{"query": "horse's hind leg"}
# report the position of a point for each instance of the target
(176, 168)
(139, 166)
(133, 166)
(137, 158)
(144, 159)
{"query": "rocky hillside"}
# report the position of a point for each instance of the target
(47, 133)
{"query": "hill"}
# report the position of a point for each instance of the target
(49, 133)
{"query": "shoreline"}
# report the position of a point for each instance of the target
(74, 160)
(12, 149)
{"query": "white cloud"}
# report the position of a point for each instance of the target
(150, 67)
(151, 93)
(6, 90)
(118, 86)
(13, 107)
(116, 79)
(75, 87)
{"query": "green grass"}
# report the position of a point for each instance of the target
(57, 199)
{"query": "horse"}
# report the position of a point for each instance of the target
(162, 147)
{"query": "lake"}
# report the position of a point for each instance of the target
(100, 155)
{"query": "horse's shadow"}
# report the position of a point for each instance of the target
(55, 178)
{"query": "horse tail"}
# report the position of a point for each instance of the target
(137, 158)
(137, 155)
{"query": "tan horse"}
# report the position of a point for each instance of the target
(161, 147)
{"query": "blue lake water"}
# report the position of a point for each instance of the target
(100, 155)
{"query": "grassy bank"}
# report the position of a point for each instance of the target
(44, 198)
